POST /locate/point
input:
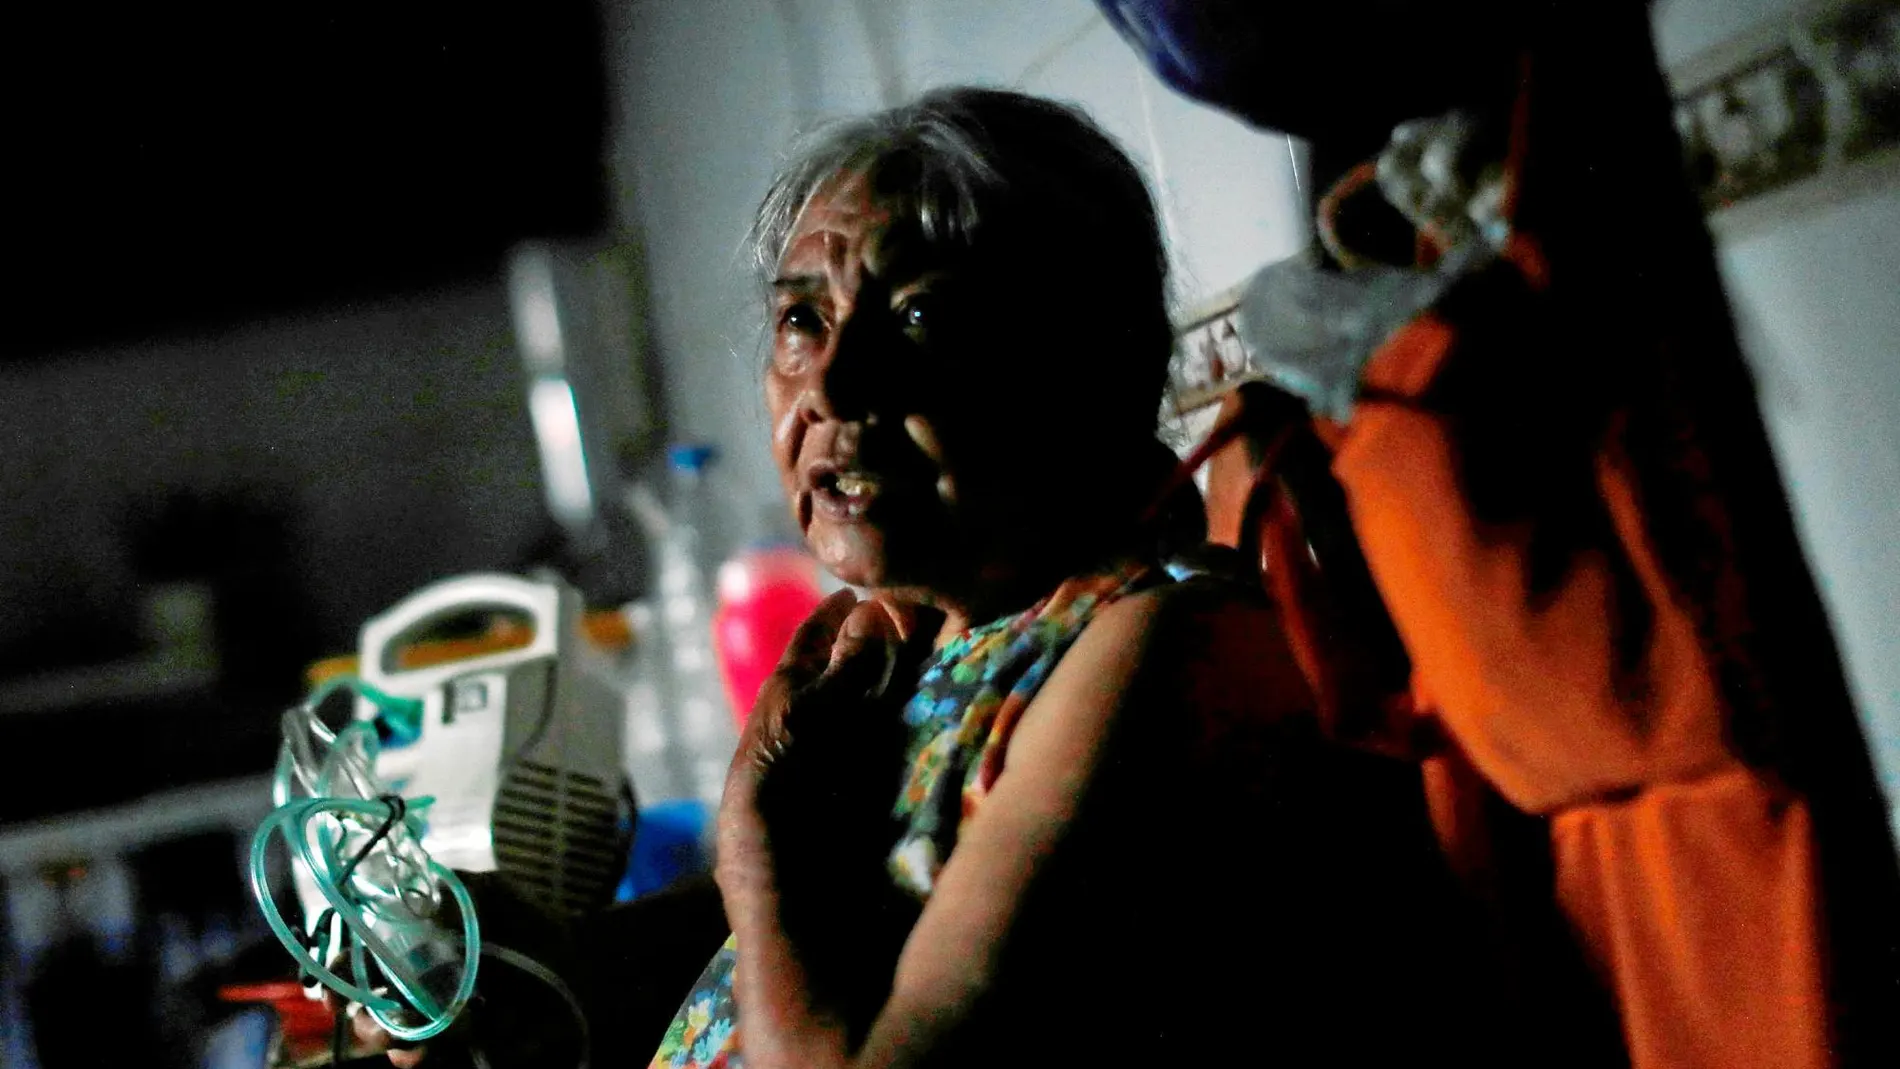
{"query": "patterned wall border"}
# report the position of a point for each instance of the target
(1801, 112)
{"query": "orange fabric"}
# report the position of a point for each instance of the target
(1487, 653)
(1229, 480)
(1271, 495)
(608, 631)
(1688, 878)
(1454, 800)
(1699, 902)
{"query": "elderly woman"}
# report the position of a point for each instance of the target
(1029, 801)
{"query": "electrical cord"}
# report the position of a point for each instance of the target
(547, 976)
(337, 1033)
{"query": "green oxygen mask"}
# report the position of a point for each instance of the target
(399, 927)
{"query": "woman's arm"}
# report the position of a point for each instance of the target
(955, 954)
(803, 830)
(1134, 658)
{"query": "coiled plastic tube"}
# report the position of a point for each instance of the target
(364, 851)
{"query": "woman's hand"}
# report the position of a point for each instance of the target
(806, 825)
(515, 1017)
(365, 1036)
(824, 739)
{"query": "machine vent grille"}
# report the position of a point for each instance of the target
(557, 837)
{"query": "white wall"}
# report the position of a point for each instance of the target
(1817, 296)
(712, 90)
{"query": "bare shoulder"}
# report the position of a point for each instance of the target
(1213, 601)
(1197, 625)
(1184, 648)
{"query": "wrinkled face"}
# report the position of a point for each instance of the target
(925, 424)
(854, 346)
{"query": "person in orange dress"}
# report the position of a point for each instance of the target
(1638, 744)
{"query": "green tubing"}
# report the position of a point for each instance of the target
(402, 716)
(407, 712)
(293, 822)
(312, 827)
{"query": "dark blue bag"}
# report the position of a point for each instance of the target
(1345, 69)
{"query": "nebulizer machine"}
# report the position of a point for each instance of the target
(504, 760)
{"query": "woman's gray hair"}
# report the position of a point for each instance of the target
(1021, 180)
(955, 166)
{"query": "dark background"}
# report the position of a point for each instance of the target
(176, 166)
(258, 382)
(257, 345)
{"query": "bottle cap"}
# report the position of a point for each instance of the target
(690, 456)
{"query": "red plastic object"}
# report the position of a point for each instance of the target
(305, 1024)
(764, 594)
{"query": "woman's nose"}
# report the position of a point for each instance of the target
(854, 383)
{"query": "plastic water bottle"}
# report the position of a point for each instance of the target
(659, 768)
(672, 826)
(680, 731)
(704, 725)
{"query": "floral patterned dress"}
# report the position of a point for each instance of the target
(960, 722)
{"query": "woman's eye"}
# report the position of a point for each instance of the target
(917, 316)
(799, 329)
(801, 318)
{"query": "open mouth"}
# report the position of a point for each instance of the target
(846, 493)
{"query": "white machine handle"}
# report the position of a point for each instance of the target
(382, 635)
